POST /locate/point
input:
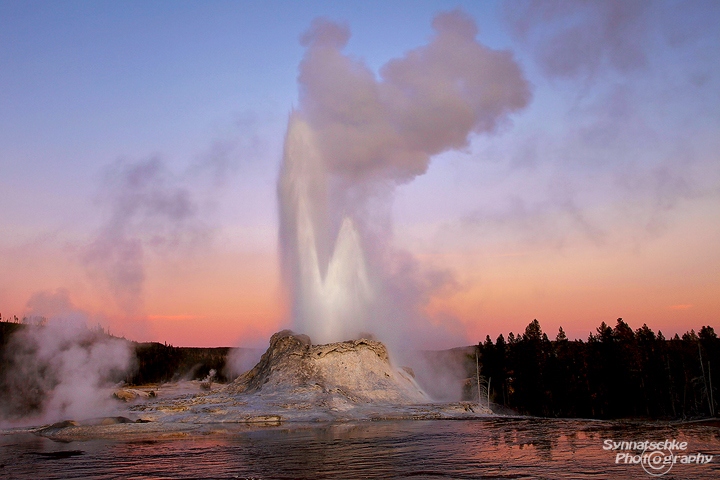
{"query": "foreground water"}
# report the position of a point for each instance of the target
(508, 448)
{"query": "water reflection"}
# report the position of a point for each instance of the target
(493, 448)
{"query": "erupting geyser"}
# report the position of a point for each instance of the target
(330, 288)
(355, 135)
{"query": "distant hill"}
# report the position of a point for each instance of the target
(155, 362)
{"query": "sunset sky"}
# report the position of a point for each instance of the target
(140, 144)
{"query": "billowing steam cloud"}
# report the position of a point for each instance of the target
(356, 136)
(62, 370)
(425, 103)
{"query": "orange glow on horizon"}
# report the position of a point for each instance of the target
(680, 307)
(233, 297)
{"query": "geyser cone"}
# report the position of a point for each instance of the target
(343, 373)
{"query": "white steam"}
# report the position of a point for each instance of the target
(424, 103)
(355, 137)
(62, 370)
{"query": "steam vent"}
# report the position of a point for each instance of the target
(297, 381)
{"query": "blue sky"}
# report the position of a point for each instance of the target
(87, 83)
(613, 161)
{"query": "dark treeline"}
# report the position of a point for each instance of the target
(6, 330)
(158, 363)
(616, 373)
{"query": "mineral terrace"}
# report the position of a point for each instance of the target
(294, 381)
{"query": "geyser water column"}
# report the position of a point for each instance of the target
(327, 280)
(355, 136)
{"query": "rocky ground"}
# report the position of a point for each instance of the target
(294, 381)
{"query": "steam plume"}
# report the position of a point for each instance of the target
(62, 370)
(148, 208)
(588, 36)
(352, 139)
